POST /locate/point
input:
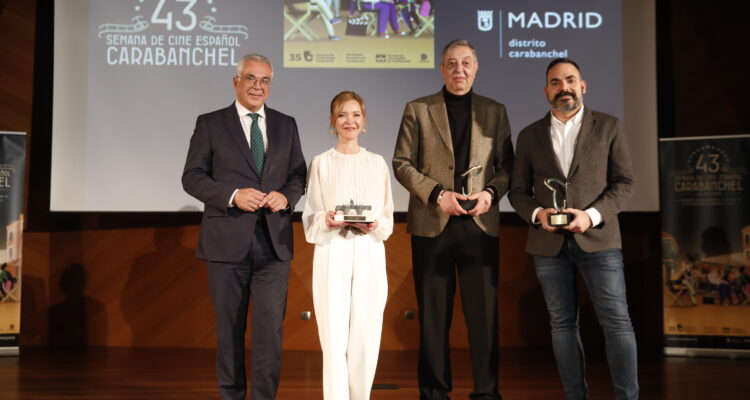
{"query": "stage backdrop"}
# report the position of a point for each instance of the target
(131, 76)
(705, 203)
(12, 164)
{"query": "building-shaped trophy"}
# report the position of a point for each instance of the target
(559, 218)
(353, 213)
(467, 188)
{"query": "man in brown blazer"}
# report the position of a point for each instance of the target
(454, 155)
(586, 150)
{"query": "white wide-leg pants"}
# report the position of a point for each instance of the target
(350, 288)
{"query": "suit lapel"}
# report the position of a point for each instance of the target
(478, 115)
(439, 115)
(234, 127)
(587, 129)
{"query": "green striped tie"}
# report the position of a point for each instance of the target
(256, 143)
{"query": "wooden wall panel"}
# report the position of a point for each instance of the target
(16, 64)
(130, 287)
(35, 288)
(144, 288)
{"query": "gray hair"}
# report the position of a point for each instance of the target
(456, 43)
(253, 57)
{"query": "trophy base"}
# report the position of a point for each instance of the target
(352, 218)
(559, 219)
(467, 204)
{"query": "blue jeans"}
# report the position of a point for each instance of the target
(602, 273)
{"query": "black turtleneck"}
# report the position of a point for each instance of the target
(459, 119)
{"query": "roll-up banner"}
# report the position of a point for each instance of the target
(705, 209)
(12, 165)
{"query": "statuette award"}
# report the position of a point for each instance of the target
(468, 188)
(559, 218)
(353, 213)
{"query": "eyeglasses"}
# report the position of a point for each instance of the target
(252, 79)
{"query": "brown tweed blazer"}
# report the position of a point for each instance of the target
(600, 176)
(424, 157)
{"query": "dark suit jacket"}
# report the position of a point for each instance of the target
(219, 161)
(600, 176)
(424, 157)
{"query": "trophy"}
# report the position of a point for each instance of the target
(559, 218)
(466, 189)
(353, 213)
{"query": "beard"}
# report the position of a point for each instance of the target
(566, 106)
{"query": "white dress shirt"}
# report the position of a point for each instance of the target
(247, 121)
(563, 136)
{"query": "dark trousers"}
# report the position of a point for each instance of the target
(462, 250)
(261, 278)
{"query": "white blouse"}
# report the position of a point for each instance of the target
(336, 179)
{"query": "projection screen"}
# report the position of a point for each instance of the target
(131, 76)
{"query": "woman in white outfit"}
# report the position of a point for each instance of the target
(350, 286)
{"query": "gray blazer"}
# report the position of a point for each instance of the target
(600, 176)
(424, 157)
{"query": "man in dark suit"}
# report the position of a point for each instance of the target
(454, 219)
(587, 150)
(246, 165)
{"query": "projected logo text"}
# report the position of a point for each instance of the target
(484, 20)
(519, 24)
(555, 20)
(173, 33)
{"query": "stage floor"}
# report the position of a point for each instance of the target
(187, 374)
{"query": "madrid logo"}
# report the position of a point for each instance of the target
(484, 20)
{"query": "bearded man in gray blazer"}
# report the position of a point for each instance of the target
(453, 217)
(246, 165)
(586, 150)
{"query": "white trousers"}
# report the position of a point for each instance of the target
(350, 288)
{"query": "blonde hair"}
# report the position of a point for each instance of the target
(338, 103)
